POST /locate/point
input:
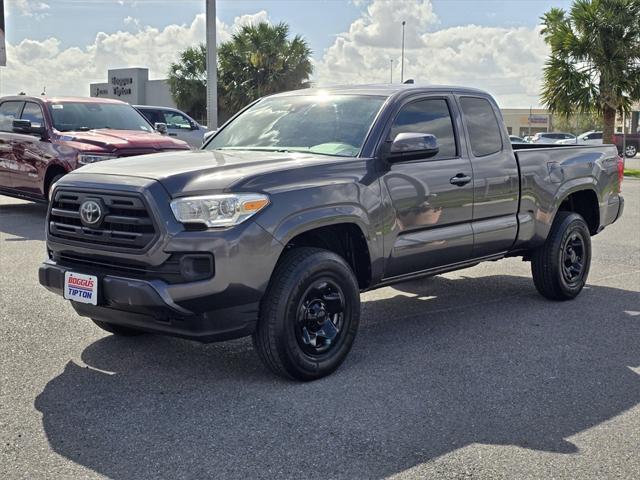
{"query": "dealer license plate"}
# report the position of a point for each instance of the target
(81, 288)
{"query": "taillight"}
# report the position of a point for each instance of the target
(620, 172)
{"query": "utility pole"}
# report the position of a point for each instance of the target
(391, 71)
(402, 59)
(212, 66)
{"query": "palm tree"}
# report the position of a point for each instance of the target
(260, 60)
(594, 64)
(187, 81)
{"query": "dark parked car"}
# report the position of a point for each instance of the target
(307, 198)
(629, 142)
(41, 139)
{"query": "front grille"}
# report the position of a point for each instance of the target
(127, 224)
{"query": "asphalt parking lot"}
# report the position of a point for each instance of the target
(465, 375)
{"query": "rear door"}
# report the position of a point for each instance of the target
(8, 111)
(432, 198)
(496, 181)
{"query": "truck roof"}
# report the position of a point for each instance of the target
(45, 99)
(382, 89)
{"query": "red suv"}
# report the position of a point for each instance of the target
(42, 138)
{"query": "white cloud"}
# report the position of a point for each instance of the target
(28, 8)
(33, 64)
(505, 61)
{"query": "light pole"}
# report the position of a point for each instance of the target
(391, 70)
(212, 67)
(402, 59)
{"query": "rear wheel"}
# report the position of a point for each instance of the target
(117, 329)
(309, 315)
(560, 267)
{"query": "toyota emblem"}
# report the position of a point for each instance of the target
(90, 213)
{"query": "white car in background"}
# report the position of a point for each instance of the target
(179, 124)
(553, 137)
(587, 138)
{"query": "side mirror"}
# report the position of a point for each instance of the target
(160, 127)
(194, 126)
(413, 146)
(25, 126)
(207, 135)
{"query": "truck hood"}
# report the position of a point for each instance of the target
(201, 171)
(116, 140)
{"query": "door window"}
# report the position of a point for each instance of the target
(430, 116)
(9, 111)
(176, 121)
(482, 124)
(33, 113)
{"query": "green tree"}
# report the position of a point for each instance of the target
(594, 64)
(260, 60)
(187, 81)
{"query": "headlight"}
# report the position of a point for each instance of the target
(86, 158)
(218, 210)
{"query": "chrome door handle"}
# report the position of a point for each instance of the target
(460, 180)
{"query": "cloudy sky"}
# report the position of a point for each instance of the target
(66, 44)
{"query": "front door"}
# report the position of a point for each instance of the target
(8, 111)
(432, 197)
(30, 154)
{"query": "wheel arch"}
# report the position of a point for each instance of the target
(52, 171)
(345, 237)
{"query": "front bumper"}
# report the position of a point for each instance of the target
(220, 307)
(147, 305)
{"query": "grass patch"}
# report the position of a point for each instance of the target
(632, 172)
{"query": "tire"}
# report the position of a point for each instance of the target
(631, 151)
(309, 315)
(49, 188)
(556, 271)
(117, 329)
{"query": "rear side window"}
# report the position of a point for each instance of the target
(430, 116)
(33, 113)
(482, 124)
(9, 111)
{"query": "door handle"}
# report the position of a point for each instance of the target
(460, 179)
(173, 134)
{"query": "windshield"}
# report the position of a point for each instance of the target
(324, 124)
(83, 116)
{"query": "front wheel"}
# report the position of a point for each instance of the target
(309, 315)
(560, 266)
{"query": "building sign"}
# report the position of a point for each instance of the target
(538, 119)
(100, 92)
(121, 86)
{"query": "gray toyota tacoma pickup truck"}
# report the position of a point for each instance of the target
(307, 198)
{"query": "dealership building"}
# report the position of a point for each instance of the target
(132, 85)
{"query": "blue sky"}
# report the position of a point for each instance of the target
(493, 44)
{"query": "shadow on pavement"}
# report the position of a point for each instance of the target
(470, 360)
(26, 221)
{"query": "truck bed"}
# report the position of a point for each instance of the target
(549, 173)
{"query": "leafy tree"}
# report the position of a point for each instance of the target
(260, 60)
(187, 81)
(594, 64)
